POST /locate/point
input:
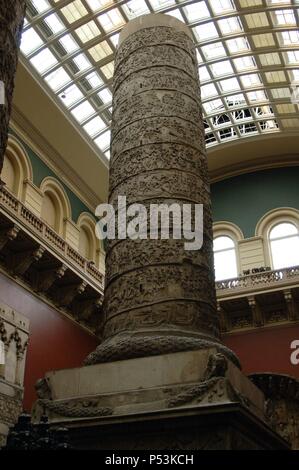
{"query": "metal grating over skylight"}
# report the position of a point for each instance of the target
(247, 50)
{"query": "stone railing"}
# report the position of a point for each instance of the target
(263, 281)
(32, 223)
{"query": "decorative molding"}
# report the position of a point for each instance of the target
(152, 345)
(52, 159)
(268, 162)
(229, 229)
(77, 408)
(275, 216)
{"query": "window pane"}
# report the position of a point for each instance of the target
(44, 60)
(30, 41)
(71, 95)
(283, 230)
(285, 253)
(58, 79)
(222, 243)
(225, 265)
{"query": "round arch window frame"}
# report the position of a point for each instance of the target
(232, 231)
(55, 190)
(87, 222)
(22, 166)
(270, 220)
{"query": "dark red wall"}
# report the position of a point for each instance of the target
(55, 341)
(265, 349)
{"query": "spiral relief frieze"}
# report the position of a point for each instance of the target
(158, 294)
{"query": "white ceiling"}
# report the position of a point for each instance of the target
(248, 57)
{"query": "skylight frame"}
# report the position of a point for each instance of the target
(266, 50)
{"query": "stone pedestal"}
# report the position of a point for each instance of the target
(187, 400)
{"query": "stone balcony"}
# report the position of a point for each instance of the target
(259, 299)
(258, 283)
(35, 255)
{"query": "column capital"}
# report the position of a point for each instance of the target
(150, 21)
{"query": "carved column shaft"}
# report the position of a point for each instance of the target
(12, 14)
(158, 297)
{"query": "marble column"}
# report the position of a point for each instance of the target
(159, 297)
(12, 14)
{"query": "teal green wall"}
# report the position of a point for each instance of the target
(41, 171)
(244, 199)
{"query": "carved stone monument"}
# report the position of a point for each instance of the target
(14, 330)
(159, 297)
(160, 379)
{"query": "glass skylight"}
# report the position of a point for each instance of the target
(30, 41)
(57, 79)
(94, 126)
(103, 141)
(44, 60)
(196, 11)
(111, 20)
(247, 53)
(54, 23)
(135, 8)
(70, 95)
(83, 111)
(222, 68)
(69, 43)
(222, 6)
(205, 31)
(41, 5)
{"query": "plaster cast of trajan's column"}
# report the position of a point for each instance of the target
(159, 298)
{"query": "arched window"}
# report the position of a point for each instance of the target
(88, 246)
(56, 205)
(85, 244)
(284, 245)
(225, 259)
(8, 175)
(16, 168)
(50, 211)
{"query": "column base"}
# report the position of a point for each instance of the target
(125, 346)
